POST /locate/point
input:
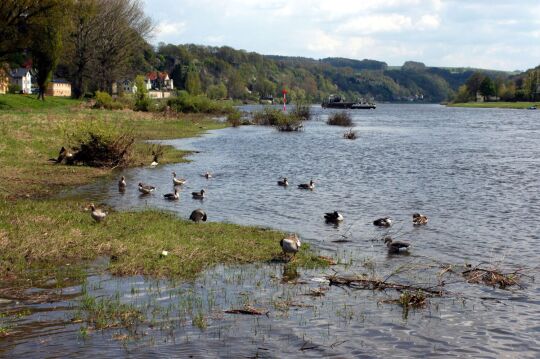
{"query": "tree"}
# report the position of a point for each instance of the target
(473, 83)
(216, 92)
(487, 88)
(17, 18)
(193, 81)
(46, 46)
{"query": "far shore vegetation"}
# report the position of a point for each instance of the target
(41, 232)
(496, 104)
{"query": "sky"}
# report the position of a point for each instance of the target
(491, 34)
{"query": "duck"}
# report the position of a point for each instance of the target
(172, 196)
(122, 184)
(177, 181)
(419, 219)
(154, 161)
(333, 217)
(207, 175)
(310, 185)
(198, 215)
(283, 182)
(290, 244)
(198, 195)
(97, 214)
(396, 247)
(146, 188)
(383, 222)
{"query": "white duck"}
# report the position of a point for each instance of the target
(290, 244)
(172, 196)
(154, 161)
(97, 214)
(177, 181)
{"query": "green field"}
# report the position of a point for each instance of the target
(512, 105)
(40, 233)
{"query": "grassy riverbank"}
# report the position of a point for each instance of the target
(39, 233)
(512, 105)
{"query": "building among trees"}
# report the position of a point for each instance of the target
(22, 78)
(58, 87)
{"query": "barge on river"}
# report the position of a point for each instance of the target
(338, 102)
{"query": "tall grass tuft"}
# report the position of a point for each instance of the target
(340, 119)
(277, 118)
(187, 103)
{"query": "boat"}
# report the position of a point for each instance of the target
(336, 101)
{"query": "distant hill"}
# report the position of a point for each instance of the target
(224, 71)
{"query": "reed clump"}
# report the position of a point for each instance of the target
(340, 119)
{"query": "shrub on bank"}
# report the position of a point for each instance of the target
(187, 103)
(277, 118)
(340, 119)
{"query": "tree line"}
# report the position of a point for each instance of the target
(94, 43)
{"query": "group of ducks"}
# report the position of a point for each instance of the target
(196, 216)
(289, 245)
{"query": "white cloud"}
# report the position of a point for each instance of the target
(375, 23)
(165, 28)
(428, 22)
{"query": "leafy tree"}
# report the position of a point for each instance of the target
(487, 88)
(473, 83)
(193, 81)
(217, 91)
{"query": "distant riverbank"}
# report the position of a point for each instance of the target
(514, 105)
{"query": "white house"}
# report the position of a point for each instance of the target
(23, 78)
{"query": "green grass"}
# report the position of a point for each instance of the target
(40, 233)
(512, 105)
(29, 103)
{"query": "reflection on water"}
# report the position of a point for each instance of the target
(475, 173)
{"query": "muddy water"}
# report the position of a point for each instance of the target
(476, 173)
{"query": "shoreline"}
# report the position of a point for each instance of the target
(40, 232)
(503, 105)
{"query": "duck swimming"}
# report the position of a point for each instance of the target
(146, 188)
(290, 244)
(419, 219)
(396, 247)
(333, 217)
(177, 181)
(283, 182)
(207, 175)
(122, 184)
(198, 215)
(172, 196)
(383, 222)
(310, 185)
(198, 195)
(154, 161)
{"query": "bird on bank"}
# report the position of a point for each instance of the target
(177, 181)
(290, 244)
(383, 222)
(146, 188)
(198, 195)
(283, 182)
(172, 196)
(154, 161)
(122, 184)
(310, 185)
(198, 215)
(97, 214)
(396, 247)
(419, 219)
(333, 217)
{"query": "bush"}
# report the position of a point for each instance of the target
(14, 88)
(279, 119)
(350, 135)
(187, 103)
(235, 118)
(340, 119)
(99, 145)
(301, 112)
(105, 101)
